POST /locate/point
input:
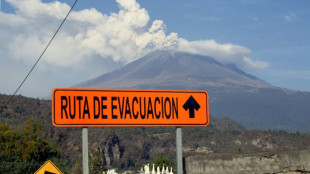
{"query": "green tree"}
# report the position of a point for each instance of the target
(96, 163)
(162, 161)
(239, 150)
(24, 151)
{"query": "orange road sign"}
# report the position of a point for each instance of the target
(48, 168)
(74, 107)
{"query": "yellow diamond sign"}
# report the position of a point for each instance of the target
(48, 168)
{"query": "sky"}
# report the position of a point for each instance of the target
(268, 39)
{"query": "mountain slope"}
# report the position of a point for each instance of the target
(166, 69)
(232, 92)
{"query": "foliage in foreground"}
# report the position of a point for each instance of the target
(23, 150)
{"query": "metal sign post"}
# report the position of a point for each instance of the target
(85, 150)
(179, 150)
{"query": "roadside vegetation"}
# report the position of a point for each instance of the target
(28, 139)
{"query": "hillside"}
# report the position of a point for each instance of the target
(175, 70)
(233, 93)
(132, 147)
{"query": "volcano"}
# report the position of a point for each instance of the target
(232, 92)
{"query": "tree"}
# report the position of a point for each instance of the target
(24, 151)
(162, 161)
(96, 163)
(239, 150)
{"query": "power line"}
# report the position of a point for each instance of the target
(41, 54)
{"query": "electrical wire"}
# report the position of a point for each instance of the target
(41, 54)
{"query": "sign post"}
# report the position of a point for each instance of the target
(179, 150)
(85, 150)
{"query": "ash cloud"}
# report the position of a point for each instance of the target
(124, 36)
(90, 39)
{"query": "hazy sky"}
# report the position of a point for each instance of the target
(269, 39)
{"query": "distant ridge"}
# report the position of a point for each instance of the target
(233, 93)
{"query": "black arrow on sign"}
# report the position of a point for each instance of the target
(47, 172)
(192, 105)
